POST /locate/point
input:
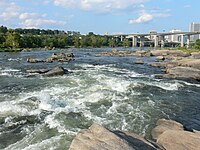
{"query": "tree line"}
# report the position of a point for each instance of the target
(39, 38)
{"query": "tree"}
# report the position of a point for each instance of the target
(197, 44)
(112, 42)
(126, 43)
(3, 30)
(13, 40)
(76, 42)
(85, 41)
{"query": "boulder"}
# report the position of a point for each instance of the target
(179, 140)
(160, 58)
(100, 138)
(172, 136)
(159, 52)
(184, 73)
(32, 60)
(139, 62)
(163, 125)
(40, 71)
(57, 71)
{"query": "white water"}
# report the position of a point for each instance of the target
(118, 98)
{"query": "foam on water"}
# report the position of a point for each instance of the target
(10, 72)
(14, 59)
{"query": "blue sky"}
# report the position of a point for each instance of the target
(100, 16)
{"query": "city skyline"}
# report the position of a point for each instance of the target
(100, 16)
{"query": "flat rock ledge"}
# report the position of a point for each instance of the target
(100, 138)
(168, 135)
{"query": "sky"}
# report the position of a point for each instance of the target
(100, 16)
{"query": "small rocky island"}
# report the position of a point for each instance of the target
(167, 135)
(174, 63)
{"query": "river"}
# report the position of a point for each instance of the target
(40, 113)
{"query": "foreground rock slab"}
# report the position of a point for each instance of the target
(100, 138)
(172, 136)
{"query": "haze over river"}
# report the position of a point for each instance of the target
(40, 113)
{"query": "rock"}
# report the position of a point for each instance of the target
(160, 58)
(163, 125)
(32, 60)
(159, 52)
(55, 57)
(49, 60)
(172, 136)
(189, 62)
(184, 73)
(142, 53)
(195, 55)
(176, 53)
(179, 140)
(40, 71)
(57, 71)
(139, 62)
(99, 138)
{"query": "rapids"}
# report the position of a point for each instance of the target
(40, 113)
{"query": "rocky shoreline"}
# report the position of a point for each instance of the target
(175, 64)
(167, 135)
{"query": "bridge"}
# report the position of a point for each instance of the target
(158, 39)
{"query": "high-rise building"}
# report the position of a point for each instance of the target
(194, 27)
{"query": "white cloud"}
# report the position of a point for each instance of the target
(148, 15)
(99, 5)
(10, 11)
(142, 19)
(36, 23)
(28, 15)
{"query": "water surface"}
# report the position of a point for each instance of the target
(39, 113)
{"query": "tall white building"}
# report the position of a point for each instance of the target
(194, 27)
(174, 38)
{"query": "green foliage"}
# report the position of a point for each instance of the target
(13, 40)
(3, 30)
(197, 44)
(126, 43)
(112, 42)
(39, 38)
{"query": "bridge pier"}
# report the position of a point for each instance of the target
(141, 41)
(182, 40)
(121, 38)
(162, 40)
(156, 41)
(188, 41)
(134, 41)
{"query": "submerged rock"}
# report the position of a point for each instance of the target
(37, 71)
(100, 138)
(57, 71)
